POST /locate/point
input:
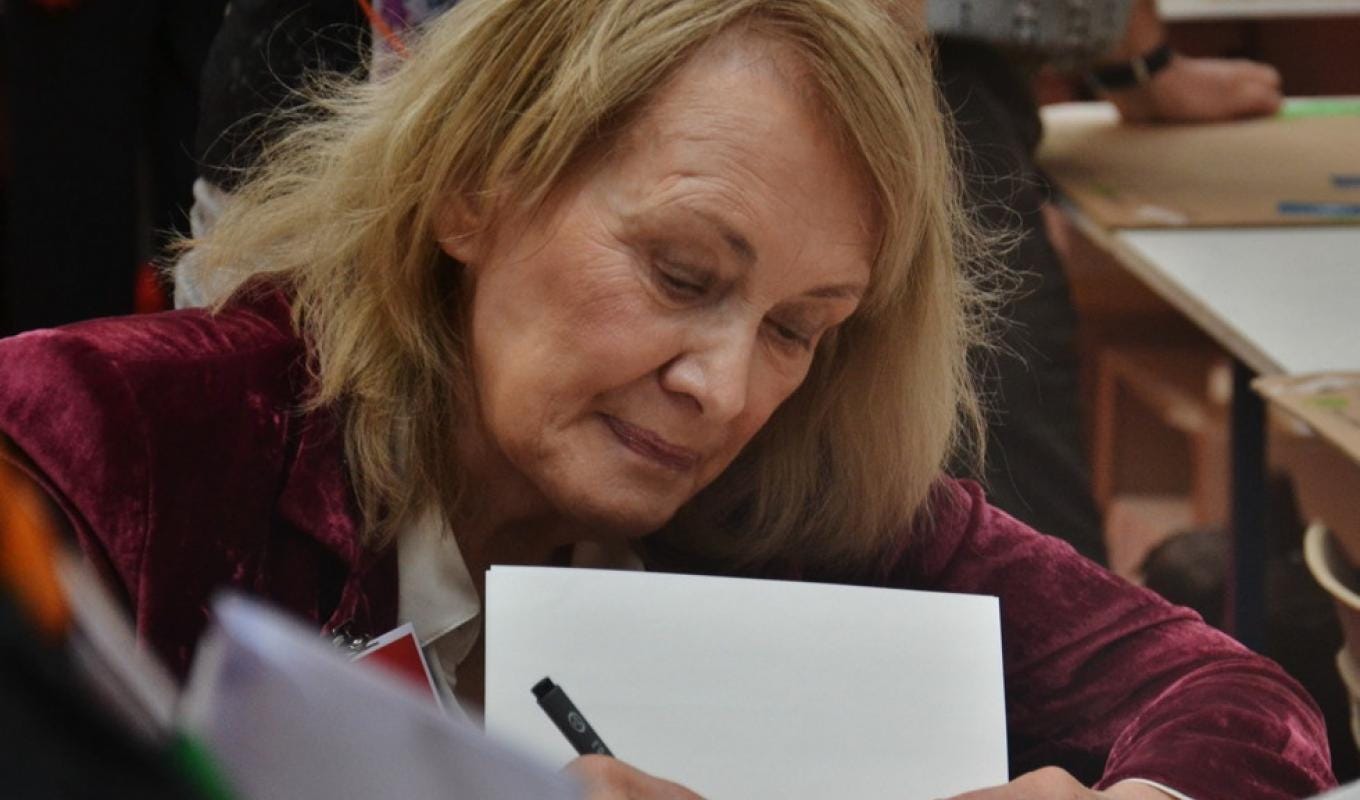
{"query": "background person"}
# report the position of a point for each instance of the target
(989, 52)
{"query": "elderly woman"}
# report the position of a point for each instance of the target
(681, 282)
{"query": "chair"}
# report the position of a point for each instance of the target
(1338, 578)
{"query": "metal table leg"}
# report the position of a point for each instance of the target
(1247, 581)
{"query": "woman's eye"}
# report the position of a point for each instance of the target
(680, 283)
(791, 337)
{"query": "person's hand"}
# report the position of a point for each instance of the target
(1202, 90)
(1052, 783)
(608, 778)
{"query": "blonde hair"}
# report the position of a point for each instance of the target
(498, 101)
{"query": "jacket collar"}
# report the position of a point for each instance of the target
(318, 501)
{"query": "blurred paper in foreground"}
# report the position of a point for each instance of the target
(285, 716)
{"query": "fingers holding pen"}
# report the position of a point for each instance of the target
(603, 776)
(607, 778)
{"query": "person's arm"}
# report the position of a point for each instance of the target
(1189, 89)
(1112, 684)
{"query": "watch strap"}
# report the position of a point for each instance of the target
(1132, 73)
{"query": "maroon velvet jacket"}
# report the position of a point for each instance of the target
(177, 446)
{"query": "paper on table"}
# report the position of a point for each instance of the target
(1329, 402)
(286, 716)
(744, 688)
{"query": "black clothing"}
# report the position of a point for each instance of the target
(1036, 466)
(103, 103)
(258, 64)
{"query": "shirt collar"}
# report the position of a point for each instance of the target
(435, 590)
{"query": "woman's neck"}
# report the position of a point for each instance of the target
(509, 521)
(533, 540)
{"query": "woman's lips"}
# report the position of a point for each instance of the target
(648, 444)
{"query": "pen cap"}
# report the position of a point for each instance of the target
(569, 719)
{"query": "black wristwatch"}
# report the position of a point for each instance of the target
(1130, 74)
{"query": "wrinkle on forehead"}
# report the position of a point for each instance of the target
(717, 190)
(746, 50)
(743, 52)
(684, 110)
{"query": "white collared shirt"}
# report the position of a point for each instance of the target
(435, 593)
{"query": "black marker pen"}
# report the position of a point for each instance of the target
(568, 720)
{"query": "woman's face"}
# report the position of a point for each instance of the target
(628, 344)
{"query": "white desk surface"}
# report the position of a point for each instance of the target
(1283, 300)
(1249, 9)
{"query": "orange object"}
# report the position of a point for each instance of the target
(380, 25)
(149, 293)
(28, 552)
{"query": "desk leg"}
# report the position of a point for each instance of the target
(1247, 583)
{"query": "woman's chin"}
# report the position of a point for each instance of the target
(607, 518)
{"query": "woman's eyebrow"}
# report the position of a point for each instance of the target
(746, 253)
(839, 291)
(740, 246)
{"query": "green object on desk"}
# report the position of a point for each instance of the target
(1321, 107)
(199, 768)
(1331, 402)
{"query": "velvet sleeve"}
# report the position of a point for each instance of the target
(70, 414)
(1110, 682)
(162, 438)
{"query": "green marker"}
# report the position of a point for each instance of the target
(1320, 107)
(199, 768)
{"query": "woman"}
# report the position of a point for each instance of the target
(676, 278)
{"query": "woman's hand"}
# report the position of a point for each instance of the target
(1051, 783)
(608, 778)
(1202, 90)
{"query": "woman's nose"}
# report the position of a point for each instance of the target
(714, 372)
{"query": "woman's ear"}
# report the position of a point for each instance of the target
(460, 231)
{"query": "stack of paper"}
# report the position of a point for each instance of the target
(744, 688)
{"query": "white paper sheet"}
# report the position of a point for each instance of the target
(1350, 791)
(754, 689)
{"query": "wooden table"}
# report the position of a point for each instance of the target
(1281, 300)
